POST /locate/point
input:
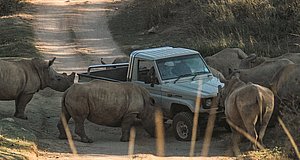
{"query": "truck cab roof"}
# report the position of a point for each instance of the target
(162, 52)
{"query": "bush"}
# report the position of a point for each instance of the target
(264, 27)
(8, 7)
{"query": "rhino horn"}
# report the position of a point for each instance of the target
(51, 61)
(102, 61)
(222, 78)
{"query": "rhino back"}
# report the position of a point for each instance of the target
(263, 73)
(294, 57)
(103, 102)
(286, 82)
(15, 78)
(225, 59)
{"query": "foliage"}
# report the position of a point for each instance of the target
(265, 27)
(19, 37)
(8, 7)
(15, 141)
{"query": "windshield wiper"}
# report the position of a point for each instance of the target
(198, 73)
(184, 75)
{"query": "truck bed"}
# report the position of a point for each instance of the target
(105, 73)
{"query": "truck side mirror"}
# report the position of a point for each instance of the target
(152, 84)
(151, 78)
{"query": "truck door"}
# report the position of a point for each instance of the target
(144, 68)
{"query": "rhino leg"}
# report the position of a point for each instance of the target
(79, 130)
(266, 118)
(127, 122)
(62, 131)
(21, 103)
(250, 127)
(235, 140)
(249, 115)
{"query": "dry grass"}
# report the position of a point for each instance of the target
(267, 28)
(16, 142)
(19, 35)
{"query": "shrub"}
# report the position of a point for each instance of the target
(264, 27)
(8, 7)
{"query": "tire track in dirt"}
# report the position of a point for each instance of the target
(76, 33)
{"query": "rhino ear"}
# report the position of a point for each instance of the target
(51, 61)
(72, 76)
(152, 101)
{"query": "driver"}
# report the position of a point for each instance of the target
(181, 68)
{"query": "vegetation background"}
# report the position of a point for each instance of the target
(264, 27)
(16, 32)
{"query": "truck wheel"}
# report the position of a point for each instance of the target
(227, 127)
(183, 126)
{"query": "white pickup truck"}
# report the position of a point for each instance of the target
(175, 78)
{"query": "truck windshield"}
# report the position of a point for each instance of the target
(182, 66)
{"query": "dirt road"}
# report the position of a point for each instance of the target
(76, 32)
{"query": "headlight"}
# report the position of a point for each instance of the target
(206, 103)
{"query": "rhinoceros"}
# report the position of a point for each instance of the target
(216, 73)
(107, 103)
(263, 73)
(254, 60)
(19, 80)
(225, 59)
(286, 82)
(245, 104)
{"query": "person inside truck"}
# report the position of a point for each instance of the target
(151, 76)
(165, 70)
(181, 68)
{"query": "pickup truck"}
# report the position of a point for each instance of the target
(175, 77)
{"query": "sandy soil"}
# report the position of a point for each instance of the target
(76, 33)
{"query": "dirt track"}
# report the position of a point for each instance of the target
(76, 33)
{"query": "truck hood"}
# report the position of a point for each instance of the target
(207, 86)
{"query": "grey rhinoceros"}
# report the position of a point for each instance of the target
(19, 80)
(107, 103)
(263, 73)
(285, 83)
(225, 59)
(254, 60)
(245, 106)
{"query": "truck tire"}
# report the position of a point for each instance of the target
(227, 127)
(183, 126)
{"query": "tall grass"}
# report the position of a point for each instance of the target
(17, 35)
(8, 7)
(265, 27)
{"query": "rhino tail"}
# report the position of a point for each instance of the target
(259, 100)
(64, 110)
